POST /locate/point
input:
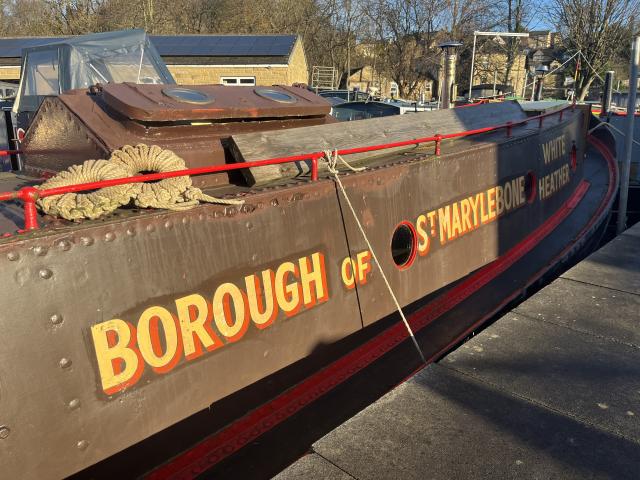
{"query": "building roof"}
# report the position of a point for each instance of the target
(183, 45)
(225, 45)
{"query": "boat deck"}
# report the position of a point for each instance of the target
(550, 390)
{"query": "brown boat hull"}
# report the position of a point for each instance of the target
(217, 298)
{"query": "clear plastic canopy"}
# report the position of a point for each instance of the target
(79, 62)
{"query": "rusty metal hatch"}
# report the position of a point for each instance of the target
(155, 103)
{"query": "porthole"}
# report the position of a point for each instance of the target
(188, 95)
(530, 186)
(404, 245)
(275, 95)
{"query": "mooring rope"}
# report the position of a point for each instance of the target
(607, 124)
(176, 193)
(92, 205)
(332, 159)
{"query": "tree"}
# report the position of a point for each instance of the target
(517, 19)
(598, 29)
(407, 30)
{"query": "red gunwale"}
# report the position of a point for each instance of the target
(227, 441)
(29, 195)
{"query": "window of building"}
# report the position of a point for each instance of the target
(244, 81)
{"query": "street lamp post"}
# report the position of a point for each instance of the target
(541, 71)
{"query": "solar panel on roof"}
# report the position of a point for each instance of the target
(188, 45)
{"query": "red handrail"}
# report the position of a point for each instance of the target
(29, 195)
(6, 153)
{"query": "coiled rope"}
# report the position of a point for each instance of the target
(332, 159)
(75, 206)
(176, 193)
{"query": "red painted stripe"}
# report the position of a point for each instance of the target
(604, 206)
(212, 450)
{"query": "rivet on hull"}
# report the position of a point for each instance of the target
(109, 237)
(150, 228)
(82, 445)
(64, 245)
(40, 250)
(168, 225)
(4, 432)
(73, 404)
(64, 362)
(131, 232)
(56, 319)
(86, 241)
(13, 256)
(45, 273)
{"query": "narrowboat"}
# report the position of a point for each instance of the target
(121, 320)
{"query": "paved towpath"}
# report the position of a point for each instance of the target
(550, 390)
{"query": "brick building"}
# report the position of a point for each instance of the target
(203, 59)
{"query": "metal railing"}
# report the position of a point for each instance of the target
(30, 195)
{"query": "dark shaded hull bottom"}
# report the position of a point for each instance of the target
(269, 446)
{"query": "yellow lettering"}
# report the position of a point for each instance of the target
(456, 226)
(364, 265)
(313, 273)
(261, 301)
(347, 271)
(500, 202)
(232, 326)
(423, 237)
(491, 203)
(194, 317)
(288, 295)
(149, 339)
(473, 201)
(444, 219)
(119, 363)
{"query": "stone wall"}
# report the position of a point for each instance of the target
(296, 71)
(211, 74)
(10, 73)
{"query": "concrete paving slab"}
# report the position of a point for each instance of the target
(587, 309)
(549, 391)
(634, 230)
(580, 375)
(312, 467)
(616, 265)
(446, 425)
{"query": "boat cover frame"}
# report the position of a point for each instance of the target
(83, 61)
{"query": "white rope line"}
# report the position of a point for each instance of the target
(332, 162)
(557, 68)
(595, 71)
(579, 52)
(612, 128)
